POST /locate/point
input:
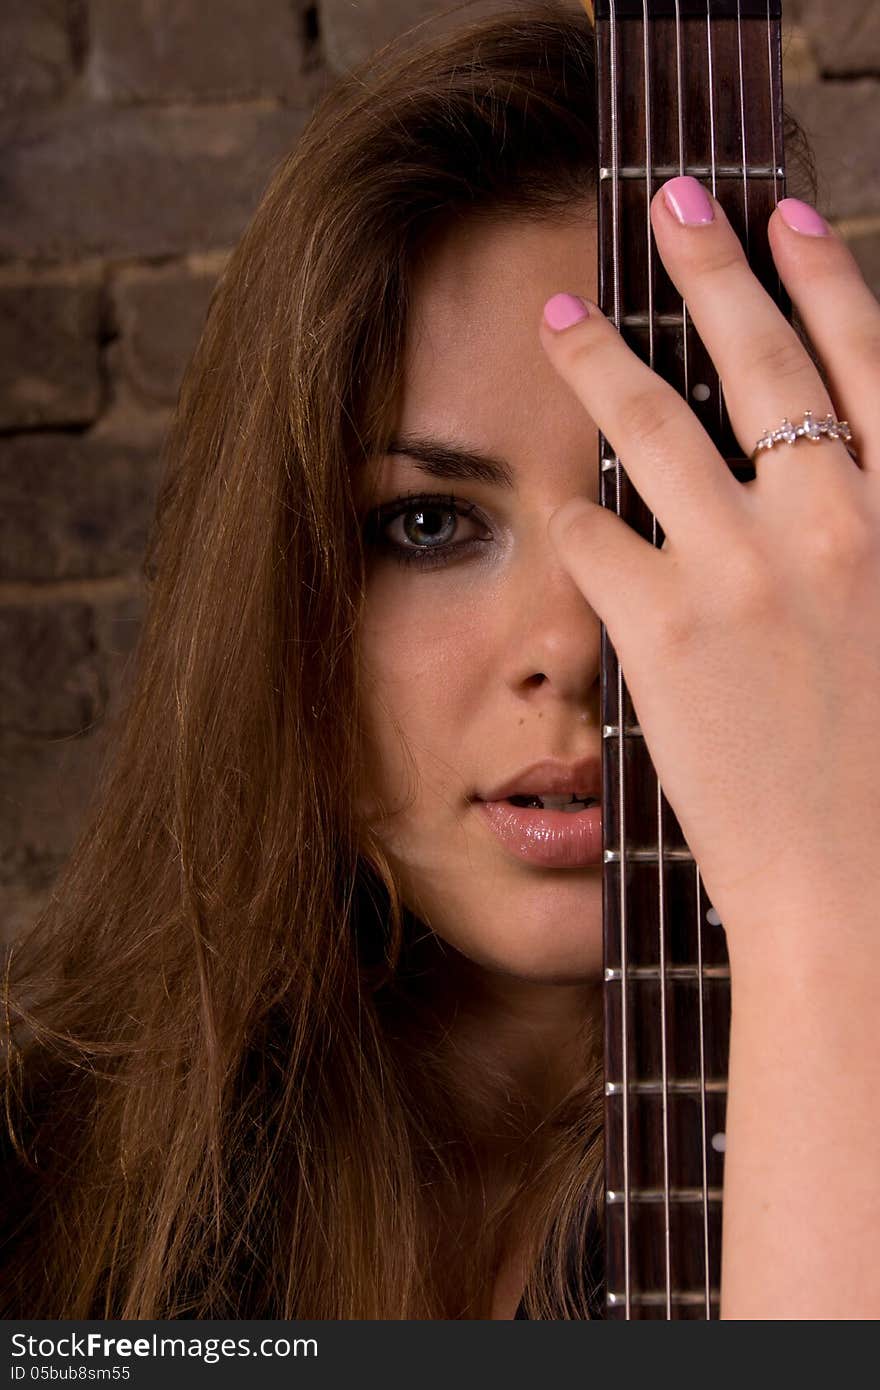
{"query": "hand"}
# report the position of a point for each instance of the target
(750, 641)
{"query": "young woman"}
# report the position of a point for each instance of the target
(297, 1035)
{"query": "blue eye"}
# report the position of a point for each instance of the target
(426, 516)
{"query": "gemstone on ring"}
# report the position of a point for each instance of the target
(810, 428)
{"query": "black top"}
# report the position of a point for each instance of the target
(594, 1272)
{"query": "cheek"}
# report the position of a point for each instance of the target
(432, 658)
(425, 662)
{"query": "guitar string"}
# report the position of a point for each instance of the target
(742, 120)
(700, 1020)
(661, 896)
(773, 124)
(743, 142)
(707, 1268)
(711, 76)
(679, 87)
(621, 798)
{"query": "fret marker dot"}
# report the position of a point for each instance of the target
(701, 391)
(712, 918)
(719, 1142)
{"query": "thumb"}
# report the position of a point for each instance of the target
(618, 573)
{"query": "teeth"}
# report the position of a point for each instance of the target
(555, 803)
(561, 803)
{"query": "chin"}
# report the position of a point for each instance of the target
(537, 927)
(539, 961)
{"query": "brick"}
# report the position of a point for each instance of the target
(48, 782)
(50, 682)
(37, 60)
(92, 180)
(160, 315)
(117, 623)
(49, 354)
(840, 120)
(799, 61)
(45, 793)
(19, 909)
(353, 29)
(161, 50)
(845, 36)
(75, 506)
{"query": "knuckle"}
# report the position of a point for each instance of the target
(676, 628)
(840, 543)
(721, 259)
(646, 413)
(581, 349)
(778, 356)
(574, 523)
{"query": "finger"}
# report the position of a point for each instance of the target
(664, 449)
(766, 371)
(619, 573)
(838, 310)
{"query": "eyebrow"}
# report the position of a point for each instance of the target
(441, 460)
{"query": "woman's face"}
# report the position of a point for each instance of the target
(486, 659)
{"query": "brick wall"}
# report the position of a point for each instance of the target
(138, 135)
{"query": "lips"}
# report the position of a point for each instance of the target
(550, 777)
(546, 839)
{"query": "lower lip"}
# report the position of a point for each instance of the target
(551, 839)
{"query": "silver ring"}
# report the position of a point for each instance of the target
(809, 428)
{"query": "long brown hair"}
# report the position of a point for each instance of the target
(227, 1090)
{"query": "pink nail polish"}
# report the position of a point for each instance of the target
(688, 201)
(802, 218)
(564, 310)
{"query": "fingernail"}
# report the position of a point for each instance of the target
(802, 218)
(564, 310)
(688, 200)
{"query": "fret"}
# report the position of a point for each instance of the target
(649, 856)
(676, 1086)
(647, 285)
(697, 171)
(681, 1297)
(660, 1194)
(630, 731)
(659, 320)
(669, 972)
(692, 937)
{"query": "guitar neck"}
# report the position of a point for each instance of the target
(683, 88)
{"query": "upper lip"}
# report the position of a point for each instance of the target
(550, 777)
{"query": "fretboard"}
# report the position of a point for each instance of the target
(691, 88)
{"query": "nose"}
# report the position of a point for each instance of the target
(554, 649)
